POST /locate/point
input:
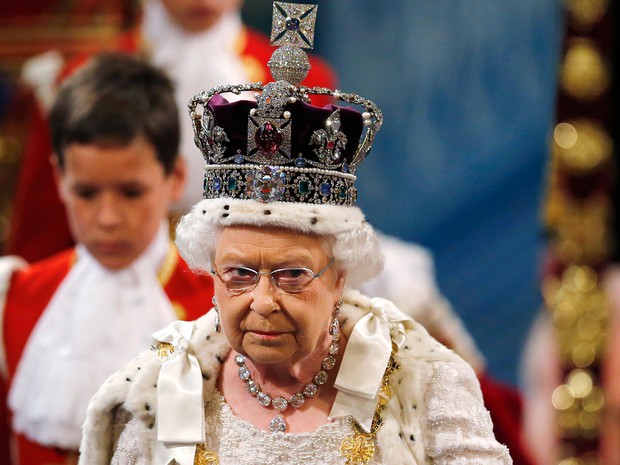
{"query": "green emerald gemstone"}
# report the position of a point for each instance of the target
(232, 183)
(304, 187)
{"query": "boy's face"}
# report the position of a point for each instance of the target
(116, 197)
(198, 15)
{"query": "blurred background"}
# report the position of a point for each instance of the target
(468, 92)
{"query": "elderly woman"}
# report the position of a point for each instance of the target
(292, 365)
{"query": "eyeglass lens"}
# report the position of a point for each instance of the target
(288, 279)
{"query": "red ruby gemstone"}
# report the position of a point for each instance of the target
(268, 138)
(331, 144)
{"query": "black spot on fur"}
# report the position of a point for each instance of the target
(226, 207)
(204, 212)
(267, 212)
(224, 215)
(139, 368)
(400, 435)
(412, 438)
(128, 380)
(206, 376)
(415, 407)
(313, 220)
(406, 347)
(152, 425)
(147, 407)
(208, 337)
(219, 359)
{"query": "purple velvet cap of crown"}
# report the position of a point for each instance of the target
(305, 120)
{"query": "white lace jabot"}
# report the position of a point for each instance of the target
(96, 322)
(195, 62)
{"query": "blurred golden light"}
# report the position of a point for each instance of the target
(586, 12)
(562, 397)
(565, 135)
(584, 73)
(580, 383)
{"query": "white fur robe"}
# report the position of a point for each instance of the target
(436, 414)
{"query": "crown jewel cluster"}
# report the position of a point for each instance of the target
(269, 169)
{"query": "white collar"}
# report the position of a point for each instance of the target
(95, 323)
(194, 62)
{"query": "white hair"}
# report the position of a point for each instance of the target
(349, 239)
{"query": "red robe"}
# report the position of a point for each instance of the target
(30, 292)
(37, 207)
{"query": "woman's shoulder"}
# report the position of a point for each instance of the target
(134, 385)
(415, 341)
(133, 389)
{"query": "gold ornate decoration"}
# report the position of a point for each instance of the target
(164, 350)
(204, 456)
(359, 449)
(170, 262)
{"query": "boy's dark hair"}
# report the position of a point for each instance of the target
(113, 99)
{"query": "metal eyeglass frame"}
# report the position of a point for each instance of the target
(274, 282)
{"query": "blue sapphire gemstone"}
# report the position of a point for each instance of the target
(292, 24)
(345, 167)
(238, 158)
(326, 189)
(301, 161)
(217, 183)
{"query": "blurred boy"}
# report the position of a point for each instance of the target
(200, 44)
(72, 319)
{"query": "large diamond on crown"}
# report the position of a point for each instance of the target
(269, 184)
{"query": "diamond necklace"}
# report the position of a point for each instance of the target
(298, 399)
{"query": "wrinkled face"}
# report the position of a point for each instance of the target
(266, 324)
(198, 15)
(116, 198)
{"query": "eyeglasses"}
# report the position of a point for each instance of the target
(240, 279)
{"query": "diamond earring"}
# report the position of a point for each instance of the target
(218, 325)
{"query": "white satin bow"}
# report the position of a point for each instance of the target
(365, 360)
(180, 412)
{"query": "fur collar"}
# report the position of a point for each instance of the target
(134, 388)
